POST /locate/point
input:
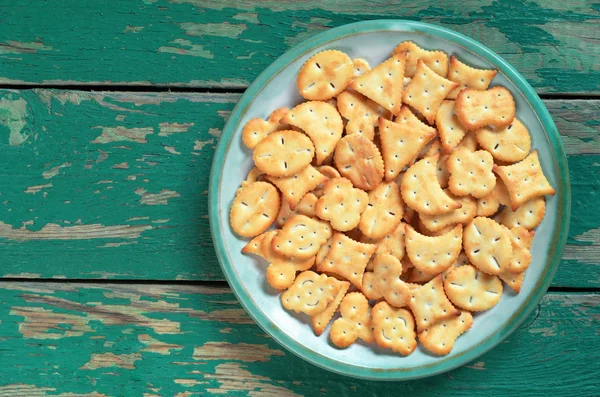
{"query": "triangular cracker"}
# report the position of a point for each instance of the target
(321, 320)
(436, 60)
(361, 113)
(450, 130)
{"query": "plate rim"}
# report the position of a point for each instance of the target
(558, 239)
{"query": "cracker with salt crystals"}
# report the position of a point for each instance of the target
(427, 91)
(429, 304)
(436, 60)
(476, 109)
(509, 144)
(394, 328)
(321, 122)
(450, 130)
(301, 237)
(529, 214)
(283, 153)
(361, 66)
(433, 254)
(341, 204)
(400, 144)
(254, 208)
(325, 75)
(384, 83)
(488, 246)
(383, 212)
(439, 338)
(359, 160)
(488, 205)
(294, 187)
(392, 243)
(464, 215)
(310, 293)
(524, 180)
(519, 237)
(467, 76)
(421, 189)
(361, 113)
(258, 129)
(471, 173)
(384, 281)
(471, 289)
(321, 320)
(354, 323)
(306, 206)
(347, 258)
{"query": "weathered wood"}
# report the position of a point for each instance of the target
(114, 185)
(555, 44)
(125, 340)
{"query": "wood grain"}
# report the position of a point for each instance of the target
(555, 44)
(114, 185)
(125, 340)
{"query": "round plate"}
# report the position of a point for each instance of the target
(275, 88)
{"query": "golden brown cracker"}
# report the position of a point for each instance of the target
(394, 328)
(321, 320)
(436, 60)
(464, 215)
(341, 204)
(439, 338)
(293, 188)
(519, 237)
(429, 304)
(325, 75)
(471, 289)
(476, 109)
(359, 160)
(257, 129)
(467, 76)
(306, 206)
(433, 254)
(283, 153)
(254, 208)
(255, 175)
(509, 144)
(392, 243)
(488, 246)
(471, 173)
(361, 113)
(513, 280)
(310, 293)
(301, 237)
(384, 281)
(529, 215)
(383, 212)
(489, 204)
(361, 66)
(449, 127)
(354, 323)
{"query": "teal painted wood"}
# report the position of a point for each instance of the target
(553, 43)
(114, 185)
(126, 340)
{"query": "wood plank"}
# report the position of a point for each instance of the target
(555, 44)
(114, 340)
(114, 185)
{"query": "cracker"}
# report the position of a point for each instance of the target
(469, 142)
(341, 204)
(524, 180)
(254, 208)
(417, 276)
(301, 237)
(384, 211)
(426, 91)
(429, 304)
(321, 320)
(384, 83)
(359, 160)
(471, 173)
(476, 109)
(321, 122)
(323, 251)
(392, 244)
(361, 67)
(471, 289)
(293, 188)
(488, 246)
(306, 206)
(436, 60)
(421, 228)
(519, 238)
(464, 214)
(347, 258)
(361, 113)
(400, 145)
(522, 236)
(433, 254)
(354, 323)
(283, 153)
(508, 144)
(310, 293)
(255, 175)
(450, 130)
(460, 261)
(439, 338)
(282, 270)
(384, 281)
(330, 172)
(394, 328)
(254, 246)
(325, 75)
(421, 189)
(529, 215)
(489, 204)
(258, 129)
(513, 280)
(408, 119)
(467, 76)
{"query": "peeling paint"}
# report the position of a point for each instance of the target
(21, 389)
(121, 166)
(52, 172)
(16, 47)
(195, 50)
(235, 351)
(35, 189)
(251, 17)
(155, 346)
(224, 29)
(52, 231)
(216, 132)
(171, 149)
(198, 144)
(13, 115)
(109, 360)
(166, 129)
(40, 323)
(161, 198)
(133, 29)
(120, 134)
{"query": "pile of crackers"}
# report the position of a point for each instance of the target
(404, 197)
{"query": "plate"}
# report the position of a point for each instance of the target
(274, 88)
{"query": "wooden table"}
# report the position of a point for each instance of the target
(109, 115)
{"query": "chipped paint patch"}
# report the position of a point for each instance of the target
(121, 166)
(21, 389)
(479, 365)
(13, 115)
(112, 245)
(199, 145)
(588, 253)
(23, 275)
(166, 129)
(155, 346)
(216, 132)
(224, 29)
(120, 134)
(171, 149)
(235, 351)
(161, 198)
(109, 360)
(251, 17)
(16, 47)
(194, 50)
(40, 323)
(52, 172)
(35, 189)
(133, 29)
(52, 231)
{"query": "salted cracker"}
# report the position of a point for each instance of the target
(306, 206)
(471, 173)
(341, 204)
(383, 212)
(433, 254)
(254, 208)
(361, 66)
(476, 109)
(361, 113)
(294, 187)
(487, 245)
(321, 122)
(323, 251)
(436, 60)
(283, 153)
(330, 172)
(471, 289)
(392, 243)
(301, 237)
(521, 240)
(449, 127)
(354, 323)
(524, 180)
(359, 160)
(513, 280)
(255, 175)
(384, 281)
(310, 293)
(384, 83)
(464, 215)
(467, 76)
(394, 328)
(429, 304)
(281, 271)
(258, 129)
(439, 338)
(325, 75)
(321, 320)
(488, 205)
(509, 144)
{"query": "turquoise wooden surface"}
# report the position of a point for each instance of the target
(105, 187)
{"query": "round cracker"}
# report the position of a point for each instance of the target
(254, 208)
(284, 153)
(359, 160)
(325, 75)
(508, 144)
(471, 289)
